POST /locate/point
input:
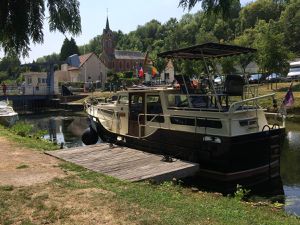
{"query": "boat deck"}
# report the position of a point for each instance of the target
(126, 163)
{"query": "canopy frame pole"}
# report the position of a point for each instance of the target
(211, 83)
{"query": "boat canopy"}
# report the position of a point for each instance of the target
(207, 50)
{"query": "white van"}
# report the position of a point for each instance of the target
(294, 72)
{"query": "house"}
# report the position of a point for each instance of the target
(37, 83)
(90, 69)
(168, 75)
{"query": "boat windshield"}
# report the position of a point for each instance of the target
(295, 69)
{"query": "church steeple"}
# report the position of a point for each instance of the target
(107, 24)
(107, 40)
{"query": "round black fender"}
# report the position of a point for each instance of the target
(89, 136)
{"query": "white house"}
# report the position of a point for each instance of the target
(36, 84)
(90, 69)
(167, 75)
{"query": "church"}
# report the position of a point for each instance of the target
(119, 60)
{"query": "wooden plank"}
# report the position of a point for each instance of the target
(126, 163)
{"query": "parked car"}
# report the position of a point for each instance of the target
(218, 80)
(255, 78)
(294, 72)
(274, 77)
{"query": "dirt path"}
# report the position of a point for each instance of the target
(49, 203)
(20, 166)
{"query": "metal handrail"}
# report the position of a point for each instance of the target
(234, 106)
(156, 115)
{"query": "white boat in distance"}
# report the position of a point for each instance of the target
(222, 128)
(8, 116)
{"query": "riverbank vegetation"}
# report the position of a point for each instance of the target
(86, 197)
(24, 134)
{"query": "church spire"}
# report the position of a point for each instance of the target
(107, 24)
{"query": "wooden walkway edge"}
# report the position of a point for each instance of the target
(126, 163)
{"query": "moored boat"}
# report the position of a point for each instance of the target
(8, 116)
(223, 128)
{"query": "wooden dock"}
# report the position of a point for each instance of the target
(126, 163)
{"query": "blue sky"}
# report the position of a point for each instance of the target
(123, 15)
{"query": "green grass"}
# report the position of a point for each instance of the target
(22, 166)
(173, 204)
(23, 136)
(85, 192)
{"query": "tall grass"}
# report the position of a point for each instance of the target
(27, 135)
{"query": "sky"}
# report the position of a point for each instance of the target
(123, 15)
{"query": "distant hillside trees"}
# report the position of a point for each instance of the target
(290, 22)
(273, 27)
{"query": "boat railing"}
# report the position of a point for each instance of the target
(245, 104)
(250, 91)
(209, 101)
(154, 117)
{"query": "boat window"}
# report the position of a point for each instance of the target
(136, 106)
(136, 99)
(154, 107)
(204, 122)
(251, 122)
(177, 101)
(123, 99)
(182, 121)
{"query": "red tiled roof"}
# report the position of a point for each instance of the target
(84, 58)
(72, 68)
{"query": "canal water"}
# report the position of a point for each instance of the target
(62, 128)
(67, 129)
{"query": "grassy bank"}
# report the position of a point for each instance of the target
(23, 134)
(85, 197)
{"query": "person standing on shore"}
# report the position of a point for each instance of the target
(4, 88)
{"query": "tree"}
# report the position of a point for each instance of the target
(290, 23)
(68, 48)
(227, 64)
(22, 22)
(219, 6)
(10, 65)
(245, 40)
(272, 55)
(94, 45)
(260, 10)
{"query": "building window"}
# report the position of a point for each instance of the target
(128, 65)
(29, 80)
(167, 76)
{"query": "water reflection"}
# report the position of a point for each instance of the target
(290, 169)
(60, 129)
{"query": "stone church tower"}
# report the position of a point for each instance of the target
(118, 60)
(107, 40)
